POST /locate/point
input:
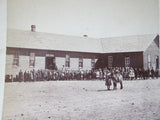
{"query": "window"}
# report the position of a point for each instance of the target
(16, 59)
(149, 61)
(67, 62)
(32, 60)
(92, 63)
(127, 61)
(110, 61)
(80, 62)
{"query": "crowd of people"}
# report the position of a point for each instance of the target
(128, 73)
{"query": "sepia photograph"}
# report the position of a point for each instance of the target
(81, 60)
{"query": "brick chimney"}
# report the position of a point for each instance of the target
(33, 28)
(85, 35)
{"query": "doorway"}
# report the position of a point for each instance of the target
(157, 62)
(50, 63)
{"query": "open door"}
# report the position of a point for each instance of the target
(157, 62)
(50, 63)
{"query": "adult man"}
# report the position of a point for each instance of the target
(152, 73)
(20, 76)
(108, 79)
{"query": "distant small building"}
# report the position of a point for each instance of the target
(27, 50)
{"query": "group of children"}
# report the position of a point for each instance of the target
(128, 73)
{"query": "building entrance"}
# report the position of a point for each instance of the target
(50, 63)
(157, 62)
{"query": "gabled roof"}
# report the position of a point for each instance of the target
(49, 41)
(136, 43)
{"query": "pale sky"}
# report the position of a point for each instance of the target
(96, 18)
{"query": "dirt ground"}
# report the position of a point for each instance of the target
(82, 100)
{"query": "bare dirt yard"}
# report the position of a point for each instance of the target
(82, 100)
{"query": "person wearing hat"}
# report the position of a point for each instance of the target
(108, 79)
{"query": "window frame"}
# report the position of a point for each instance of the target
(32, 59)
(80, 62)
(149, 61)
(92, 62)
(67, 61)
(110, 61)
(16, 59)
(127, 61)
